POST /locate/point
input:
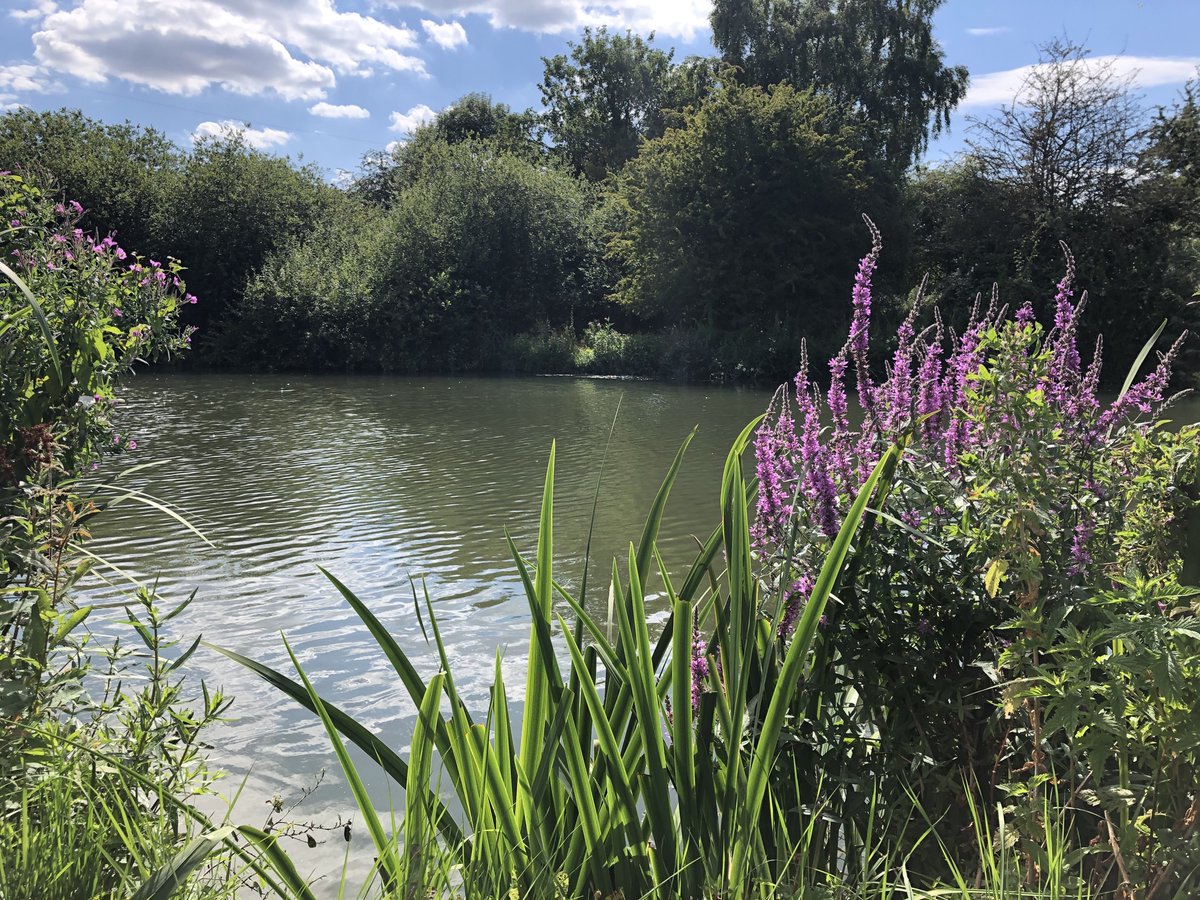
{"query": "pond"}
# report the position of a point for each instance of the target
(387, 481)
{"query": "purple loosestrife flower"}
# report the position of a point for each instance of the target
(963, 364)
(898, 397)
(860, 325)
(794, 601)
(699, 668)
(930, 394)
(772, 507)
(1143, 396)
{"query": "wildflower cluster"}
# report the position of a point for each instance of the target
(1003, 389)
(1024, 506)
(104, 308)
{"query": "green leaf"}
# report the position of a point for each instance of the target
(42, 322)
(389, 863)
(169, 878)
(793, 665)
(1141, 358)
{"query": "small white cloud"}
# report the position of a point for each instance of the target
(674, 18)
(989, 31)
(447, 35)
(392, 146)
(407, 123)
(294, 48)
(258, 138)
(996, 88)
(39, 10)
(23, 78)
(332, 111)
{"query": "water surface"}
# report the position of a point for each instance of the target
(384, 480)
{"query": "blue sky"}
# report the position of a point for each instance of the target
(330, 80)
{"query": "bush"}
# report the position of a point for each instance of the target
(93, 790)
(1016, 623)
(75, 312)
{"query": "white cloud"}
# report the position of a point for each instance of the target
(989, 31)
(407, 123)
(258, 138)
(38, 10)
(392, 146)
(996, 88)
(332, 111)
(447, 35)
(24, 78)
(673, 18)
(293, 48)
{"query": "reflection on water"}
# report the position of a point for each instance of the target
(383, 480)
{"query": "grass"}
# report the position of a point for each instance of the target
(611, 782)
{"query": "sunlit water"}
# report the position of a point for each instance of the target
(383, 480)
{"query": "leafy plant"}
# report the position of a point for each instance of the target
(644, 766)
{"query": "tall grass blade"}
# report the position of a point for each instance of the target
(42, 322)
(533, 725)
(1141, 358)
(169, 878)
(389, 864)
(794, 661)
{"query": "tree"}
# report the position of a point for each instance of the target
(604, 99)
(1067, 160)
(230, 207)
(876, 60)
(120, 173)
(477, 117)
(1071, 138)
(477, 244)
(746, 219)
(474, 117)
(1175, 147)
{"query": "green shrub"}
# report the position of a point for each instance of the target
(1016, 623)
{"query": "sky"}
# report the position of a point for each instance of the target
(327, 81)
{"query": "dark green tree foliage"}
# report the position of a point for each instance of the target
(474, 117)
(120, 173)
(478, 245)
(231, 206)
(485, 244)
(1069, 159)
(876, 60)
(477, 117)
(744, 221)
(1175, 152)
(315, 304)
(604, 99)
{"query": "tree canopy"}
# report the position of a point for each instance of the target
(876, 60)
(745, 218)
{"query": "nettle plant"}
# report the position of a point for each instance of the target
(76, 311)
(1015, 628)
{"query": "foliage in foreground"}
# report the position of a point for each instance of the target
(953, 653)
(101, 750)
(1025, 622)
(631, 774)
